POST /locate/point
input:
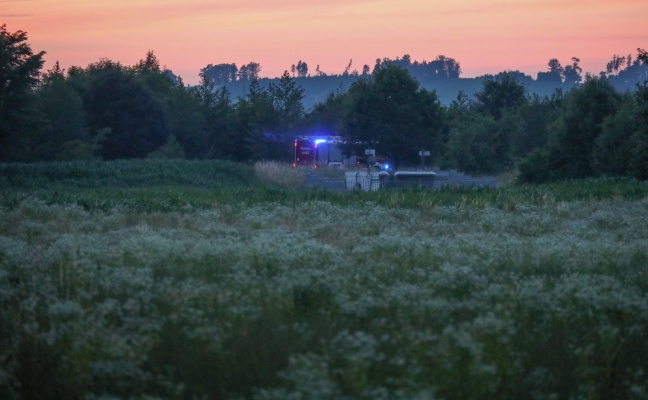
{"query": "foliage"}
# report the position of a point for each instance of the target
(642, 55)
(219, 74)
(625, 73)
(572, 73)
(578, 146)
(638, 163)
(222, 74)
(500, 94)
(301, 69)
(325, 116)
(246, 291)
(188, 121)
(576, 130)
(63, 178)
(218, 115)
(441, 67)
(494, 124)
(615, 146)
(390, 111)
(19, 72)
(555, 73)
(66, 134)
(287, 101)
(257, 116)
(538, 114)
(480, 144)
(249, 72)
(118, 100)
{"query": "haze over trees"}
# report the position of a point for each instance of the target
(584, 126)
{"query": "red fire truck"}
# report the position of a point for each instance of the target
(320, 151)
(326, 151)
(305, 152)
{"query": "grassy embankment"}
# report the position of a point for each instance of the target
(181, 279)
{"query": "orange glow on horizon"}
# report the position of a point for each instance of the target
(484, 37)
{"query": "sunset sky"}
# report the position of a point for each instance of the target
(483, 36)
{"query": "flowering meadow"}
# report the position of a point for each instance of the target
(196, 280)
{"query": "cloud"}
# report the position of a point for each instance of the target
(14, 15)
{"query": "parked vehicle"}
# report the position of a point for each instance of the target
(326, 152)
(305, 153)
(329, 153)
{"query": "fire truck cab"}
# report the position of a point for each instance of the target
(320, 151)
(304, 152)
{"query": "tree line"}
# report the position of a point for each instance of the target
(110, 111)
(440, 68)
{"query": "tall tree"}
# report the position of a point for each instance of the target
(572, 73)
(256, 117)
(443, 68)
(150, 64)
(480, 144)
(627, 79)
(555, 67)
(327, 116)
(224, 139)
(639, 162)
(206, 92)
(220, 74)
(302, 69)
(616, 64)
(249, 72)
(287, 98)
(348, 68)
(575, 132)
(66, 136)
(188, 121)
(392, 112)
(119, 103)
(614, 147)
(19, 73)
(642, 55)
(500, 93)
(538, 114)
(219, 117)
(555, 73)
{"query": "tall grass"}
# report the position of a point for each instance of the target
(277, 173)
(245, 291)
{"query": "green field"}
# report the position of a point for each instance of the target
(197, 280)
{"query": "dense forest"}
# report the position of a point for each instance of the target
(587, 126)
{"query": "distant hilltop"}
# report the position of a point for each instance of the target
(442, 75)
(317, 88)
